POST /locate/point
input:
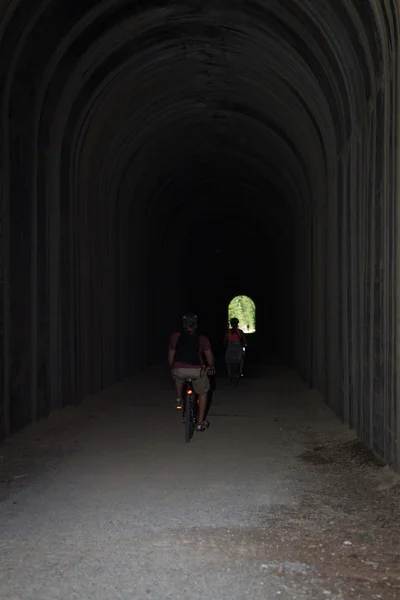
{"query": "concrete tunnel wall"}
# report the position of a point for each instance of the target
(123, 122)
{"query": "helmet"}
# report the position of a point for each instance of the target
(234, 322)
(190, 320)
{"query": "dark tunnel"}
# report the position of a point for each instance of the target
(165, 156)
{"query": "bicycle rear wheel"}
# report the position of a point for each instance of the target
(189, 418)
(235, 374)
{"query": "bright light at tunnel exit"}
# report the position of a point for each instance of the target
(244, 309)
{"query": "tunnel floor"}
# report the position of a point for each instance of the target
(276, 500)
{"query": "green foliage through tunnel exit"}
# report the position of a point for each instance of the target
(244, 309)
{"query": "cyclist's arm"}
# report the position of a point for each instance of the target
(171, 349)
(210, 358)
(171, 356)
(244, 339)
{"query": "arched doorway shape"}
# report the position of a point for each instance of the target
(244, 309)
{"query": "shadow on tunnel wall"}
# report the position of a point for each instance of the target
(163, 158)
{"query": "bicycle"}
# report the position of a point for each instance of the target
(190, 410)
(234, 357)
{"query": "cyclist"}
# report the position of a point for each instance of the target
(186, 359)
(235, 345)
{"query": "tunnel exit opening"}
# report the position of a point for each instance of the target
(244, 309)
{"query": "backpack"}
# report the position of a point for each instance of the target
(187, 350)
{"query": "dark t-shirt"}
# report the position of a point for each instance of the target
(204, 346)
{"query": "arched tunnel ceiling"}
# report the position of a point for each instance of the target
(129, 127)
(166, 96)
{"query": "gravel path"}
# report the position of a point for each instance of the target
(276, 500)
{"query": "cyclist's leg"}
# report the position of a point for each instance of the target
(201, 385)
(202, 406)
(179, 378)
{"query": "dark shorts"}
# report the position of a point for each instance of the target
(234, 353)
